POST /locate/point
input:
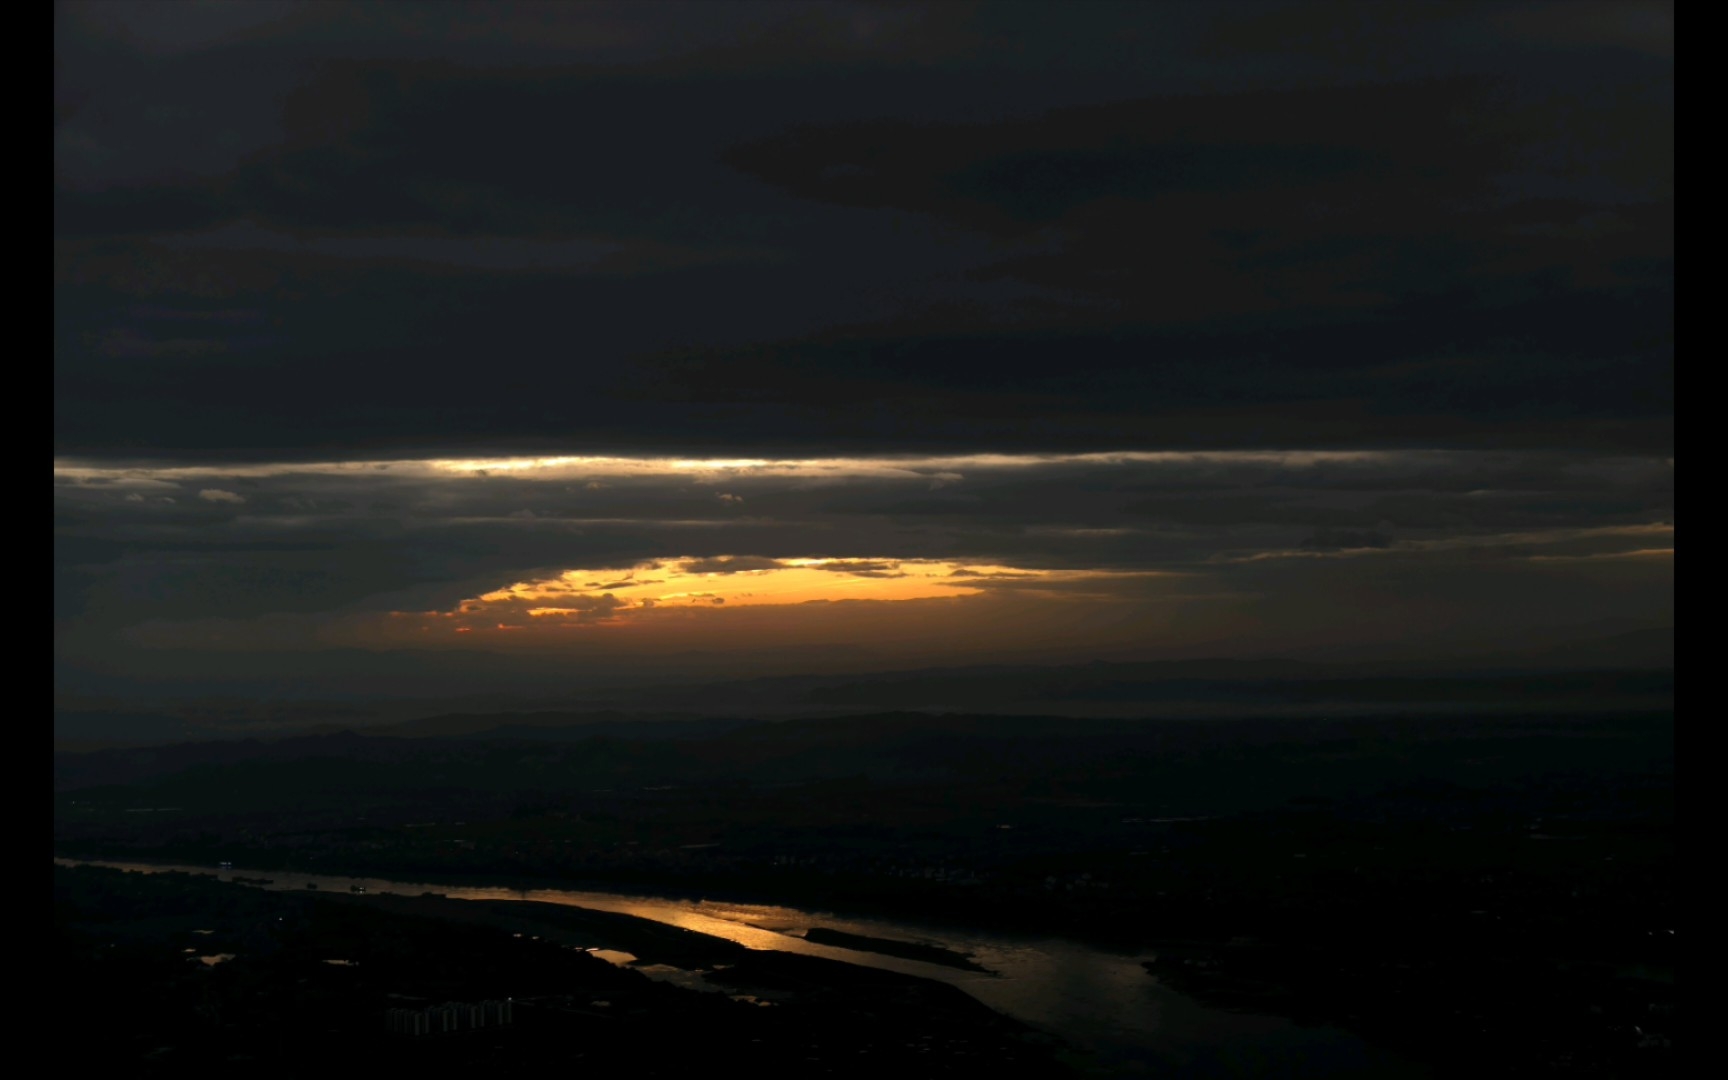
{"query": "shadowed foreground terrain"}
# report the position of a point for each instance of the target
(1468, 889)
(219, 978)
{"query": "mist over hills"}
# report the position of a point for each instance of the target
(1631, 670)
(1096, 758)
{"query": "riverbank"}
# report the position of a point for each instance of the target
(218, 975)
(935, 911)
(908, 950)
(578, 927)
(721, 962)
(1101, 1002)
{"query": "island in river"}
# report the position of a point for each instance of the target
(906, 950)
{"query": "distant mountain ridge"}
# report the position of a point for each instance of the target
(1632, 669)
(891, 747)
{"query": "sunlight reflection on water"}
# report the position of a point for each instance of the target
(1093, 998)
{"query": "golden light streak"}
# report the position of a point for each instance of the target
(566, 466)
(1639, 553)
(1549, 537)
(612, 597)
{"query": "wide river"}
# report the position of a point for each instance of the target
(1099, 1001)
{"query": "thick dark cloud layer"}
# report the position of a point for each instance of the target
(870, 225)
(1436, 235)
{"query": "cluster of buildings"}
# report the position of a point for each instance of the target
(448, 1017)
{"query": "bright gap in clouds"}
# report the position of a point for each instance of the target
(567, 467)
(589, 597)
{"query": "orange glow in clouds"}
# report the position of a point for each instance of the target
(615, 597)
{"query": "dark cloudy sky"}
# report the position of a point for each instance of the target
(393, 339)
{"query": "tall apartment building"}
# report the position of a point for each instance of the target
(449, 1017)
